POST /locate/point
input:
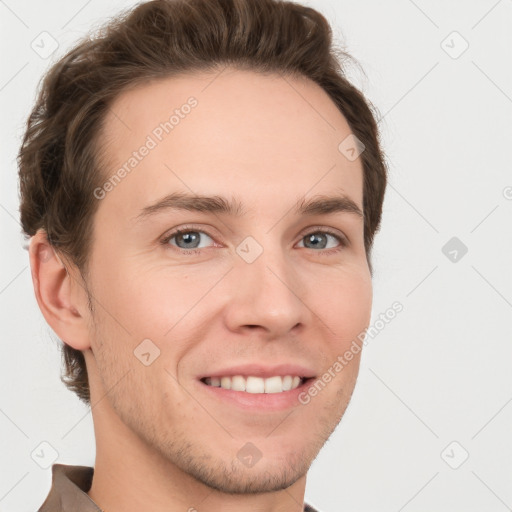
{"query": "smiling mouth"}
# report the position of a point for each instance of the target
(255, 385)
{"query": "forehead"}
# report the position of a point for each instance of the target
(229, 129)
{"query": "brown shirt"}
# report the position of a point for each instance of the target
(69, 491)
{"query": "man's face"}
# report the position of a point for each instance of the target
(267, 287)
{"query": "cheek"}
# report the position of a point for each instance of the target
(169, 306)
(346, 306)
(140, 301)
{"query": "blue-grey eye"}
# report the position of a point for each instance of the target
(188, 239)
(319, 240)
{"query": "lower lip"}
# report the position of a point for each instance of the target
(259, 401)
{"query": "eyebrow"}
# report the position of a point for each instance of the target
(318, 205)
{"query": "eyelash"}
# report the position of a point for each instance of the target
(186, 229)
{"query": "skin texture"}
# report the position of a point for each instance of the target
(162, 443)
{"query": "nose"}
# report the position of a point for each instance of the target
(268, 295)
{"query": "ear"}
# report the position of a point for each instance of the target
(60, 293)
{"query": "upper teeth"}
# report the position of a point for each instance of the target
(251, 384)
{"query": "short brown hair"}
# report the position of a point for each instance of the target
(60, 158)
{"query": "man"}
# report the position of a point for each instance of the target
(202, 187)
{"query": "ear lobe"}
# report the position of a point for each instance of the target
(53, 287)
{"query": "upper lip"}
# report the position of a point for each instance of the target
(258, 370)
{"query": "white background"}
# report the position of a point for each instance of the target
(440, 371)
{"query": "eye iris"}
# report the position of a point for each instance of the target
(312, 237)
(188, 238)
